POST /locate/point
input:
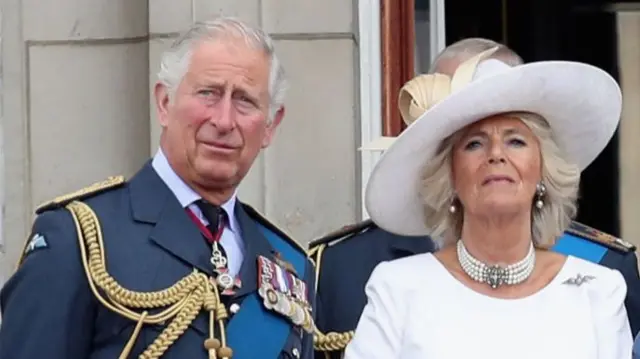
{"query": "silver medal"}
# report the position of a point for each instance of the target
(217, 259)
(224, 280)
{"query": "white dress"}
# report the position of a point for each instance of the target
(417, 310)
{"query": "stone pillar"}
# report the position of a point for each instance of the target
(629, 132)
(74, 102)
(310, 171)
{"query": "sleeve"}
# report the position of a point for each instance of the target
(47, 308)
(307, 340)
(379, 331)
(319, 318)
(629, 269)
(613, 333)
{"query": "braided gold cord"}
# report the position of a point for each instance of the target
(97, 263)
(183, 301)
(177, 327)
(331, 341)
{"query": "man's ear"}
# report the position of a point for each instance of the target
(271, 127)
(161, 96)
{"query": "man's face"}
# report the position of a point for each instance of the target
(217, 122)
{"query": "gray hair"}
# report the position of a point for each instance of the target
(560, 177)
(175, 61)
(464, 49)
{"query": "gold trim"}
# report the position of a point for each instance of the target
(109, 183)
(319, 250)
(183, 301)
(331, 341)
(595, 235)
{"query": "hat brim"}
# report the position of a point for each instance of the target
(581, 103)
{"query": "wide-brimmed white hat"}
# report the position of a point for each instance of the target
(581, 103)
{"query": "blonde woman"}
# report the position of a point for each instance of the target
(492, 166)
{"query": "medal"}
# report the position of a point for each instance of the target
(217, 258)
(283, 293)
(223, 280)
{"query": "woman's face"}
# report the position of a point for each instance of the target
(496, 166)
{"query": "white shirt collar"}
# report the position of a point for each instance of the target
(185, 194)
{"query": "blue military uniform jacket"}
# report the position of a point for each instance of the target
(345, 259)
(51, 310)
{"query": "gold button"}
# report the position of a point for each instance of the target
(234, 308)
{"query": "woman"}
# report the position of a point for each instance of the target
(492, 166)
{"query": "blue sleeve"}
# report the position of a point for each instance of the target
(47, 307)
(318, 318)
(629, 269)
(310, 280)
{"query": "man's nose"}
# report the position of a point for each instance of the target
(224, 118)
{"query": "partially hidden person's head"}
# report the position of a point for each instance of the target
(448, 61)
(219, 98)
(493, 140)
(453, 55)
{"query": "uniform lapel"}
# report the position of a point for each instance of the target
(153, 202)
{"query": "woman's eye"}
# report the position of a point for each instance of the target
(517, 142)
(472, 145)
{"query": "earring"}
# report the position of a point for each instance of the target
(452, 207)
(540, 192)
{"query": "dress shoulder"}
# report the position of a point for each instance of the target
(597, 279)
(406, 274)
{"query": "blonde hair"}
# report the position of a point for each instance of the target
(560, 177)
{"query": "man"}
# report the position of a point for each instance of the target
(171, 264)
(345, 259)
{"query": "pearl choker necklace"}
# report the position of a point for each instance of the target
(496, 275)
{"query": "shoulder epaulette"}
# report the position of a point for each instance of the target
(258, 216)
(342, 233)
(605, 239)
(84, 193)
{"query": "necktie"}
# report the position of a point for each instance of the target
(214, 214)
(216, 217)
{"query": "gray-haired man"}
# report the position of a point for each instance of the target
(192, 271)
